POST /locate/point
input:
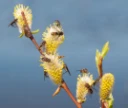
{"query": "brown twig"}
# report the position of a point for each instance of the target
(106, 105)
(102, 105)
(30, 36)
(100, 67)
(101, 74)
(65, 87)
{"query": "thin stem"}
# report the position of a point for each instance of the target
(101, 74)
(30, 34)
(100, 67)
(102, 105)
(64, 85)
(37, 46)
(106, 105)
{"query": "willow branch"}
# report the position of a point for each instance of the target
(65, 87)
(100, 67)
(101, 74)
(30, 36)
(102, 105)
(106, 105)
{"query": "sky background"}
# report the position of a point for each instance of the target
(87, 25)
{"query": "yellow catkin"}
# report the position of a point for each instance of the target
(17, 15)
(106, 86)
(52, 42)
(54, 68)
(81, 90)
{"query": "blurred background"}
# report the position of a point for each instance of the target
(87, 25)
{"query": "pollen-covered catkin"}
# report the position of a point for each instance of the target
(18, 9)
(52, 41)
(81, 89)
(106, 86)
(54, 68)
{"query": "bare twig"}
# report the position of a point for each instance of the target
(106, 104)
(100, 67)
(101, 74)
(65, 87)
(30, 36)
(102, 105)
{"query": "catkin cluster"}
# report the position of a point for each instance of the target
(53, 37)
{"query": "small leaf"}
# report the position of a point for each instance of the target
(105, 49)
(21, 35)
(97, 56)
(98, 60)
(35, 31)
(57, 91)
(110, 101)
(97, 53)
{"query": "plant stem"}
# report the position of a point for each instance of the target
(102, 105)
(100, 67)
(106, 105)
(37, 46)
(64, 85)
(101, 74)
(31, 37)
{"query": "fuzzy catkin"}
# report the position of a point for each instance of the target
(81, 89)
(18, 9)
(54, 68)
(106, 86)
(52, 42)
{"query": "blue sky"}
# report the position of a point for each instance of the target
(87, 25)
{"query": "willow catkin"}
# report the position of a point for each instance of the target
(18, 9)
(106, 86)
(53, 41)
(54, 68)
(81, 89)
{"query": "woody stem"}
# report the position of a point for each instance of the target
(100, 67)
(102, 105)
(65, 87)
(31, 37)
(101, 74)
